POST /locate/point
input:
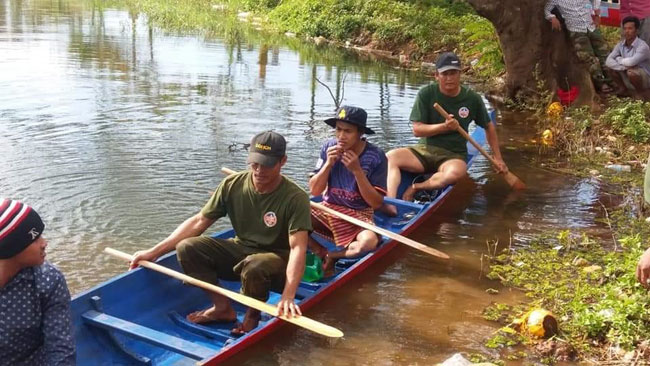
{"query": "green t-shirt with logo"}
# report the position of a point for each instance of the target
(262, 221)
(466, 107)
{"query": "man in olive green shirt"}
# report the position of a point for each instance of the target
(271, 218)
(441, 150)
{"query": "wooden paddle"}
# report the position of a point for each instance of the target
(371, 227)
(510, 178)
(301, 321)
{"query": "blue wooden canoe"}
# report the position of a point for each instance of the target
(138, 318)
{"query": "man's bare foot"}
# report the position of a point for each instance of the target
(408, 194)
(251, 320)
(210, 315)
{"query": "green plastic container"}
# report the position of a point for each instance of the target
(313, 268)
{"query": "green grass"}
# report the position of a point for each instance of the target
(630, 118)
(606, 307)
(590, 140)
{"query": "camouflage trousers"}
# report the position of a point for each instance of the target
(591, 50)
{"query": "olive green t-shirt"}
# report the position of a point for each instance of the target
(466, 107)
(262, 221)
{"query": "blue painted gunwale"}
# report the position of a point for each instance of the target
(137, 318)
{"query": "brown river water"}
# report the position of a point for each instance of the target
(115, 132)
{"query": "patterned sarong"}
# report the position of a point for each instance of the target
(341, 232)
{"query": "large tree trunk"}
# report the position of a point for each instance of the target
(532, 52)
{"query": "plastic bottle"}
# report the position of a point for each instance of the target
(619, 167)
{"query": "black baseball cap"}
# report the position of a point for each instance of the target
(267, 148)
(447, 61)
(352, 115)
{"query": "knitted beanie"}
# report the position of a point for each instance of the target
(20, 226)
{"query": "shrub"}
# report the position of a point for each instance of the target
(629, 118)
(259, 4)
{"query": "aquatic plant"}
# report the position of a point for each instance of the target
(588, 283)
(630, 118)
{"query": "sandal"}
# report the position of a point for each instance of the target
(199, 317)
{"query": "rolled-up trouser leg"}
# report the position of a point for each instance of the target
(585, 53)
(261, 273)
(601, 51)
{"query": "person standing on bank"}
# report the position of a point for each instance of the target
(270, 216)
(582, 18)
(35, 319)
(441, 149)
(352, 174)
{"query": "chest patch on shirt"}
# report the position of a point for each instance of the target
(463, 112)
(270, 219)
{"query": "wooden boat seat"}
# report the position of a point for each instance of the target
(151, 336)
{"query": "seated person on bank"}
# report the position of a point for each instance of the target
(441, 149)
(352, 174)
(629, 62)
(270, 216)
(35, 320)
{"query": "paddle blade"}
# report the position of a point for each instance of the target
(514, 182)
(434, 252)
(314, 326)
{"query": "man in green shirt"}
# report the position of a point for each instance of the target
(271, 218)
(441, 149)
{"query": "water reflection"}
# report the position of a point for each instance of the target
(115, 130)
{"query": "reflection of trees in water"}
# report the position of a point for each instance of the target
(94, 49)
(27, 16)
(263, 60)
(129, 56)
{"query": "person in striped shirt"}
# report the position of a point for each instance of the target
(351, 176)
(582, 18)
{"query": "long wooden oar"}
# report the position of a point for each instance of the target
(402, 239)
(510, 178)
(301, 321)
